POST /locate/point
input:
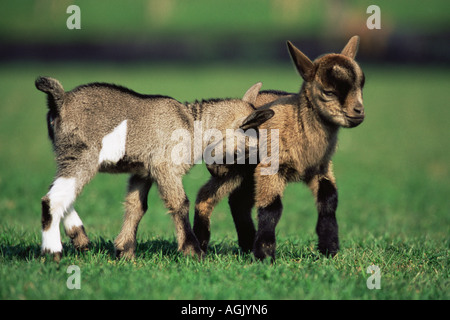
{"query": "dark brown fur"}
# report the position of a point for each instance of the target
(308, 124)
(237, 181)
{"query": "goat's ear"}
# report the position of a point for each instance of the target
(256, 118)
(252, 93)
(351, 48)
(303, 64)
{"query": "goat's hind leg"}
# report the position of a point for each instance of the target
(327, 227)
(57, 204)
(135, 208)
(325, 192)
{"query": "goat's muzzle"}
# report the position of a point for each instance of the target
(356, 116)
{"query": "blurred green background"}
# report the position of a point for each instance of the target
(203, 30)
(392, 171)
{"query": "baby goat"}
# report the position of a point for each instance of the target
(107, 128)
(308, 123)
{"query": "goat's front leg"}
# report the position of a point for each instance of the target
(325, 191)
(172, 193)
(268, 192)
(187, 241)
(241, 202)
(135, 208)
(75, 230)
(208, 197)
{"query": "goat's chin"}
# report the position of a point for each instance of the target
(353, 122)
(345, 122)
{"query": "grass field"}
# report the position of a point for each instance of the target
(393, 179)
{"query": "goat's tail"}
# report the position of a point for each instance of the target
(54, 90)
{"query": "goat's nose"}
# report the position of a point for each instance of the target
(359, 109)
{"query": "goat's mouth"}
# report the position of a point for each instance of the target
(354, 121)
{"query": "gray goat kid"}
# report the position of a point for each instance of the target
(102, 127)
(308, 123)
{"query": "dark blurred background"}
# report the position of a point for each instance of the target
(233, 30)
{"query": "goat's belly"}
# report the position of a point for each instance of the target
(300, 171)
(124, 165)
(293, 175)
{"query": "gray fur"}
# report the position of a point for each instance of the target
(81, 120)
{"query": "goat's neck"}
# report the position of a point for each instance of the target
(312, 126)
(199, 109)
(202, 111)
(195, 109)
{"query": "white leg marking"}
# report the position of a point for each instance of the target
(113, 144)
(51, 238)
(61, 195)
(71, 219)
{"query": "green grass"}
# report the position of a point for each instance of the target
(392, 174)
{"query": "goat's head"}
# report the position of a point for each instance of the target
(333, 84)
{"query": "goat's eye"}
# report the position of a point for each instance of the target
(329, 93)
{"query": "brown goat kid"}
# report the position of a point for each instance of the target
(107, 128)
(308, 124)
